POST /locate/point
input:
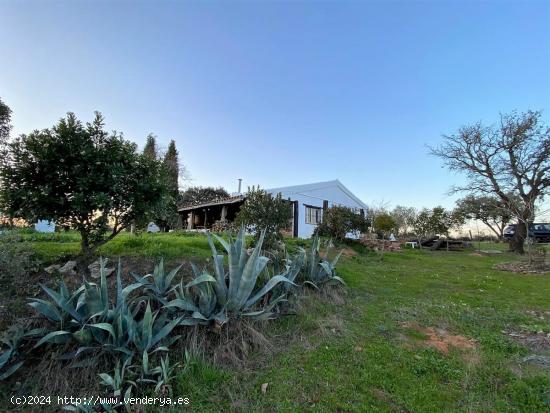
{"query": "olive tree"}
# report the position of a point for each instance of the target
(81, 176)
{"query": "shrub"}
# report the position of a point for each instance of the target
(339, 221)
(383, 223)
(264, 213)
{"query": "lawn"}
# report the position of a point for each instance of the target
(415, 331)
(360, 356)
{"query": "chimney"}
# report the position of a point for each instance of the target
(240, 181)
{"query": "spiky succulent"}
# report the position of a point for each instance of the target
(320, 271)
(232, 294)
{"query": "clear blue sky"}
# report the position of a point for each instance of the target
(282, 93)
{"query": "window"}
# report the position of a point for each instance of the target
(313, 215)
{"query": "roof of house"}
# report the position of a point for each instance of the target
(219, 201)
(288, 190)
(300, 189)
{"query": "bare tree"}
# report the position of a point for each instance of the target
(509, 160)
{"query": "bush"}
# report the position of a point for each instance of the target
(339, 221)
(264, 212)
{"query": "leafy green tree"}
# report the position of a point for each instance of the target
(5, 125)
(487, 209)
(383, 223)
(260, 211)
(443, 221)
(437, 221)
(79, 176)
(198, 195)
(339, 221)
(422, 224)
(150, 149)
(171, 170)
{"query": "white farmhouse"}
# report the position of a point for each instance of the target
(308, 202)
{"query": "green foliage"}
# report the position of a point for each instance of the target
(220, 298)
(12, 339)
(159, 284)
(5, 125)
(487, 209)
(80, 176)
(150, 149)
(384, 223)
(197, 195)
(338, 221)
(264, 213)
(437, 221)
(321, 271)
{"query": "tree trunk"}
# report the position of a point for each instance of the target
(517, 241)
(86, 256)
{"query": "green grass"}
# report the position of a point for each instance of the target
(57, 246)
(359, 356)
(454, 291)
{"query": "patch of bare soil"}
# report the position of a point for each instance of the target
(348, 252)
(441, 340)
(523, 267)
(536, 342)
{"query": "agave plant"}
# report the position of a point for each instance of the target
(84, 315)
(12, 340)
(118, 380)
(222, 296)
(158, 285)
(320, 271)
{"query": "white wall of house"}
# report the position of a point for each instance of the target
(313, 195)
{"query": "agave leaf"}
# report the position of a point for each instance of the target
(190, 322)
(12, 369)
(61, 301)
(335, 259)
(220, 287)
(311, 283)
(201, 279)
(104, 326)
(54, 337)
(337, 279)
(103, 284)
(252, 270)
(325, 265)
(45, 308)
(107, 380)
(266, 288)
(164, 331)
(182, 304)
(5, 357)
(224, 243)
(145, 362)
(129, 288)
(172, 274)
